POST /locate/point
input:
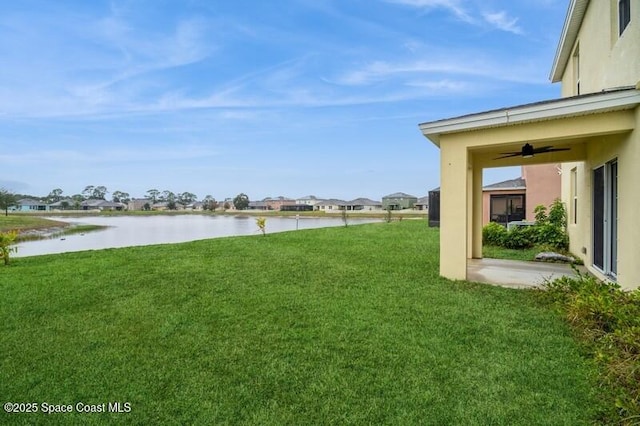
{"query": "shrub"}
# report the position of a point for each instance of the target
(558, 214)
(7, 239)
(551, 235)
(549, 231)
(262, 224)
(607, 320)
(540, 213)
(519, 238)
(493, 234)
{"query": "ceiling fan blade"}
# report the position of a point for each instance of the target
(542, 149)
(558, 149)
(508, 155)
(529, 151)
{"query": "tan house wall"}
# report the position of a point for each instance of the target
(606, 60)
(626, 150)
(543, 186)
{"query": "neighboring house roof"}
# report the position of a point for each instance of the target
(101, 203)
(364, 202)
(612, 100)
(30, 202)
(332, 202)
(423, 200)
(110, 204)
(280, 198)
(399, 195)
(572, 23)
(69, 201)
(308, 198)
(517, 183)
(91, 203)
(258, 204)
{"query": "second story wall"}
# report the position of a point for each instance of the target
(601, 58)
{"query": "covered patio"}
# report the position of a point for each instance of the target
(517, 274)
(574, 129)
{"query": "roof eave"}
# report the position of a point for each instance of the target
(513, 188)
(556, 109)
(570, 29)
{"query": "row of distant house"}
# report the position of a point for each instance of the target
(33, 205)
(396, 201)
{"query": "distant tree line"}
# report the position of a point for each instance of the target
(91, 192)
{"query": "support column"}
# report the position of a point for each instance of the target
(454, 210)
(476, 232)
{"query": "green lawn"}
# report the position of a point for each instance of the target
(22, 221)
(327, 326)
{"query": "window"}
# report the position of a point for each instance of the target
(624, 14)
(574, 196)
(507, 208)
(576, 69)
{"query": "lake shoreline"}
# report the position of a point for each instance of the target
(135, 230)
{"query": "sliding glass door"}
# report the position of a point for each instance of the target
(605, 218)
(507, 208)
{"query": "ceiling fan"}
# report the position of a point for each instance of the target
(528, 151)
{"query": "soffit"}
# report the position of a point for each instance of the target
(572, 23)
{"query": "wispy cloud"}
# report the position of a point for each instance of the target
(467, 13)
(453, 6)
(107, 63)
(502, 21)
(457, 64)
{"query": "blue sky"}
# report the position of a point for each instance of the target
(269, 98)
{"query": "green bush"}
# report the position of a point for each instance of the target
(551, 235)
(558, 214)
(549, 230)
(494, 234)
(540, 213)
(519, 238)
(607, 319)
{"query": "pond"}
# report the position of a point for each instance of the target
(126, 231)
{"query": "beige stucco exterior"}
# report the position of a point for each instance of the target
(600, 126)
(599, 57)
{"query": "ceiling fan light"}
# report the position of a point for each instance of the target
(527, 151)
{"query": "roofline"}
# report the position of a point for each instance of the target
(513, 188)
(619, 99)
(572, 23)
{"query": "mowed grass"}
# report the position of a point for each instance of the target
(22, 221)
(328, 326)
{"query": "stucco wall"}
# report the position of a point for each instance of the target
(626, 149)
(607, 60)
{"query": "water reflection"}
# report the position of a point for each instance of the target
(126, 231)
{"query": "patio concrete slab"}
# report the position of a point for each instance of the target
(515, 274)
